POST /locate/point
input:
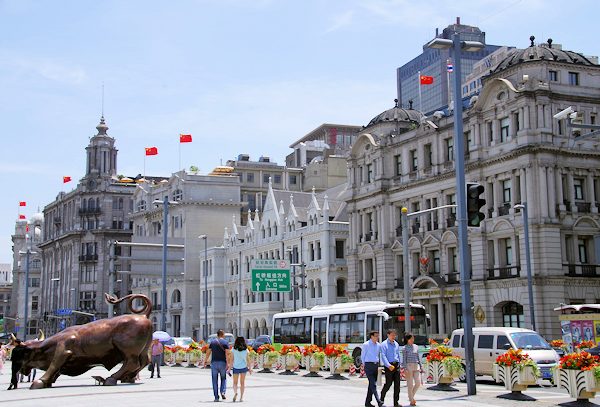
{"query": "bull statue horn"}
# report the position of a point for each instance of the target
(42, 336)
(13, 337)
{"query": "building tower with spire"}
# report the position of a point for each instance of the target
(78, 226)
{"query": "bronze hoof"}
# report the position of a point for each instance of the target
(110, 381)
(37, 384)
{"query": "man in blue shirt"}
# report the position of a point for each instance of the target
(371, 350)
(220, 356)
(390, 355)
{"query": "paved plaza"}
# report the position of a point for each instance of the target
(185, 387)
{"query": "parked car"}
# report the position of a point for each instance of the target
(261, 340)
(183, 341)
(594, 351)
(491, 342)
(250, 342)
(228, 337)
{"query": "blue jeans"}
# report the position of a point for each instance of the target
(218, 368)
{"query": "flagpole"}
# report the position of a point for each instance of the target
(179, 168)
(420, 101)
(144, 164)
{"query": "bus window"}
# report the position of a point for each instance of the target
(292, 330)
(347, 328)
(372, 323)
(418, 321)
(320, 335)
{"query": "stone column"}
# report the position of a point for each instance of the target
(526, 119)
(498, 198)
(590, 192)
(440, 314)
(551, 193)
(543, 193)
(571, 190)
(530, 191)
(559, 189)
(476, 135)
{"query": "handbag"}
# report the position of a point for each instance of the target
(151, 367)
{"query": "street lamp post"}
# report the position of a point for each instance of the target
(523, 207)
(165, 230)
(205, 327)
(26, 314)
(461, 198)
(405, 272)
(111, 276)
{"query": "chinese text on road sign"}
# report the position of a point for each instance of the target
(270, 275)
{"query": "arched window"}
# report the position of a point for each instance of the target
(319, 289)
(512, 315)
(120, 203)
(176, 296)
(341, 287)
(311, 287)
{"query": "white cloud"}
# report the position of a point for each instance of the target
(341, 20)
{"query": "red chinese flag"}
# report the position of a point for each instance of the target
(426, 80)
(185, 138)
(151, 151)
(66, 179)
(21, 216)
(22, 203)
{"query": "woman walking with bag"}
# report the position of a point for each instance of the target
(241, 366)
(412, 367)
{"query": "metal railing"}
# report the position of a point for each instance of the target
(367, 286)
(90, 211)
(582, 270)
(453, 278)
(504, 272)
(88, 257)
(583, 207)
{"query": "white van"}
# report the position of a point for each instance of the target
(491, 342)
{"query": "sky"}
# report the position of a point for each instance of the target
(241, 76)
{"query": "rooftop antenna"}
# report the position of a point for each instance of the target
(102, 98)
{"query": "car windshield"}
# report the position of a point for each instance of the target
(529, 340)
(184, 342)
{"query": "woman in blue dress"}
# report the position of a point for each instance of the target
(241, 366)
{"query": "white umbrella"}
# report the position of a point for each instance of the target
(162, 336)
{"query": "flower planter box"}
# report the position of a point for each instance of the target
(312, 365)
(581, 385)
(438, 372)
(290, 363)
(336, 367)
(515, 378)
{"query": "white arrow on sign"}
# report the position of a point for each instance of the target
(257, 286)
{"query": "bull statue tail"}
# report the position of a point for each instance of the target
(146, 309)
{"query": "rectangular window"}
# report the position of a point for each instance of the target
(293, 180)
(504, 129)
(485, 342)
(347, 328)
(428, 156)
(339, 249)
(490, 131)
(578, 185)
(369, 173)
(250, 177)
(277, 178)
(436, 261)
(508, 252)
(413, 160)
(35, 301)
(582, 250)
(449, 149)
(456, 341)
(398, 164)
(266, 178)
(506, 191)
(573, 78)
(34, 282)
(459, 318)
(452, 263)
(553, 76)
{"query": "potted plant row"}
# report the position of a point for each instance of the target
(313, 360)
(443, 367)
(338, 359)
(517, 371)
(579, 374)
(291, 357)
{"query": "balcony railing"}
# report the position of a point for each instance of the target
(176, 305)
(90, 211)
(453, 278)
(504, 272)
(583, 207)
(88, 257)
(367, 286)
(582, 270)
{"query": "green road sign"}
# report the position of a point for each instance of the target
(270, 275)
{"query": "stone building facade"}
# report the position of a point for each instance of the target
(520, 153)
(27, 236)
(77, 228)
(310, 230)
(201, 205)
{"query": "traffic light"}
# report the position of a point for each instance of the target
(474, 204)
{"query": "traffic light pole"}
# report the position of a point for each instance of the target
(461, 201)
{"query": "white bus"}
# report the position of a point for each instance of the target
(348, 324)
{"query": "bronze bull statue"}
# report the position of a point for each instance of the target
(78, 348)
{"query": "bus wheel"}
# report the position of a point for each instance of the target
(357, 359)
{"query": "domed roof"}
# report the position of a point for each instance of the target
(541, 52)
(398, 114)
(37, 217)
(102, 127)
